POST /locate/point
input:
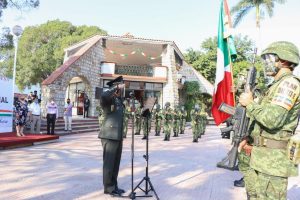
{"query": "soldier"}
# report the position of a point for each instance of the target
(182, 119)
(144, 121)
(203, 120)
(127, 115)
(196, 122)
(158, 116)
(138, 118)
(275, 119)
(176, 126)
(111, 135)
(168, 119)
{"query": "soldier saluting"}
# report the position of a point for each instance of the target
(111, 135)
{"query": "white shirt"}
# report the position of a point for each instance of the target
(35, 109)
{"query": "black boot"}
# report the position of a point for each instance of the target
(144, 138)
(239, 183)
(166, 138)
(137, 134)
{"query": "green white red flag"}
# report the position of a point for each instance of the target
(226, 53)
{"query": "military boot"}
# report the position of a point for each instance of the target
(239, 183)
(166, 138)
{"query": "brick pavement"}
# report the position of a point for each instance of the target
(71, 169)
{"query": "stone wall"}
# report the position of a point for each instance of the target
(87, 67)
(170, 89)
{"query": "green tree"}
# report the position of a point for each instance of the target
(18, 4)
(243, 7)
(205, 60)
(41, 49)
(192, 93)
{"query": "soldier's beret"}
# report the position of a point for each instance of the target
(116, 81)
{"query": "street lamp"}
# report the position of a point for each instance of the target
(17, 31)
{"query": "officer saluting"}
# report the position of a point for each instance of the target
(111, 135)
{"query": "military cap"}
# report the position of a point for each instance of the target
(284, 50)
(116, 81)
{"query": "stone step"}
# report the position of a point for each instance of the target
(76, 131)
(78, 127)
(73, 123)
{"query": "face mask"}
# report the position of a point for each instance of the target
(269, 80)
(52, 102)
(68, 102)
(269, 62)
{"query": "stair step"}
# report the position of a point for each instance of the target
(44, 128)
(76, 131)
(73, 123)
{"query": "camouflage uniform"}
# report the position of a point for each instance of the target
(127, 115)
(203, 120)
(158, 116)
(182, 119)
(168, 119)
(196, 123)
(275, 119)
(176, 125)
(145, 126)
(138, 120)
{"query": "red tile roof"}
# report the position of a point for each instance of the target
(60, 70)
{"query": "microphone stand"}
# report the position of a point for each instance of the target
(147, 114)
(132, 194)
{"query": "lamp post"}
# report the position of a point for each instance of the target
(17, 31)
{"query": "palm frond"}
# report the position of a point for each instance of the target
(241, 5)
(240, 15)
(269, 8)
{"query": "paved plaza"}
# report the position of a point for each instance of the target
(72, 169)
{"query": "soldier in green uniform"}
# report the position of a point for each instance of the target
(144, 121)
(176, 122)
(168, 120)
(182, 119)
(275, 119)
(111, 135)
(127, 115)
(138, 119)
(196, 122)
(158, 117)
(203, 120)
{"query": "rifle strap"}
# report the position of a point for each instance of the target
(260, 141)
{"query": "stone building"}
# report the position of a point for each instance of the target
(151, 69)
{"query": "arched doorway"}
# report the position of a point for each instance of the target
(77, 90)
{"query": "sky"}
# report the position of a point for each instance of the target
(187, 23)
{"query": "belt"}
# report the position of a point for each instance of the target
(260, 141)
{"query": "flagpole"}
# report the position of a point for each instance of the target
(230, 61)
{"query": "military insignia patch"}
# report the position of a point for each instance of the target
(286, 93)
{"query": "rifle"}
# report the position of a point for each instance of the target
(240, 123)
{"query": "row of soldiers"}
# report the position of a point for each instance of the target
(167, 118)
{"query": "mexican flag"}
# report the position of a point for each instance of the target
(225, 55)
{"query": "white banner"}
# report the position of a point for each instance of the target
(6, 104)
